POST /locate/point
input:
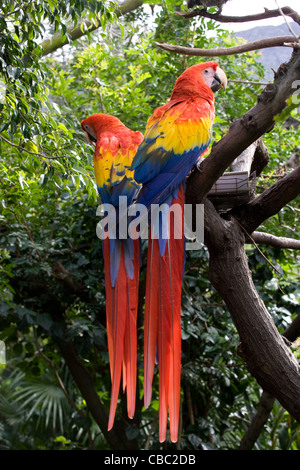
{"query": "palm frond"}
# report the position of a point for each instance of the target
(46, 399)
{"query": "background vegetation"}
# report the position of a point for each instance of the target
(52, 307)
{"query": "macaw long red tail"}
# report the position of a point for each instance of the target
(162, 331)
(121, 319)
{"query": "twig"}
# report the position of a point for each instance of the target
(25, 226)
(242, 19)
(285, 41)
(12, 13)
(22, 149)
(189, 405)
(288, 25)
(257, 247)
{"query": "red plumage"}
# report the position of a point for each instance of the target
(115, 147)
(121, 319)
(162, 326)
(177, 134)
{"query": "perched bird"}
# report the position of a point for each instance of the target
(115, 147)
(176, 136)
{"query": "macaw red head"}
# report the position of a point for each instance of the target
(213, 76)
(94, 125)
(200, 80)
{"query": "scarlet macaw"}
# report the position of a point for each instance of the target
(115, 147)
(176, 135)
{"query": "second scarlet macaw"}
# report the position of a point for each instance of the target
(115, 147)
(177, 134)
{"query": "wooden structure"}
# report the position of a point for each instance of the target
(237, 186)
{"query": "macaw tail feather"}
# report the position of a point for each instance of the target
(121, 318)
(162, 331)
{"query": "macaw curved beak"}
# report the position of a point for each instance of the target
(219, 81)
(91, 138)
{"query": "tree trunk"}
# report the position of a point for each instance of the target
(267, 356)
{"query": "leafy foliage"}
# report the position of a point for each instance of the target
(51, 282)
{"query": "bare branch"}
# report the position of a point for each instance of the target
(242, 19)
(264, 238)
(284, 41)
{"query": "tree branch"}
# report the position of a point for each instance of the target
(264, 238)
(266, 402)
(263, 349)
(286, 41)
(85, 383)
(293, 330)
(260, 418)
(286, 22)
(269, 203)
(245, 131)
(243, 19)
(59, 40)
(22, 149)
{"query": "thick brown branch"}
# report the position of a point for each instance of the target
(269, 203)
(243, 19)
(85, 383)
(260, 418)
(286, 41)
(266, 354)
(293, 330)
(266, 402)
(264, 238)
(245, 131)
(65, 276)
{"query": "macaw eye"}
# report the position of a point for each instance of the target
(206, 71)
